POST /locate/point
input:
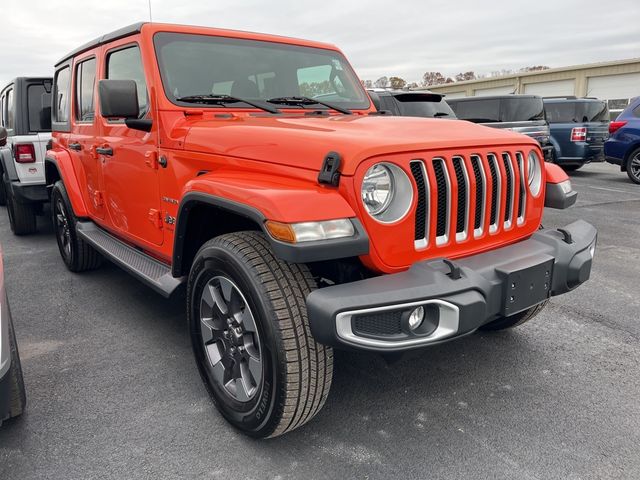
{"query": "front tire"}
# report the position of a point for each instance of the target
(251, 338)
(633, 166)
(515, 320)
(77, 254)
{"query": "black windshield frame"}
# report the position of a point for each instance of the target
(161, 39)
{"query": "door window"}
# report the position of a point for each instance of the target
(85, 85)
(10, 115)
(126, 64)
(39, 102)
(61, 95)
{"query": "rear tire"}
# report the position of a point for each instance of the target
(238, 289)
(17, 394)
(515, 320)
(3, 191)
(633, 166)
(77, 254)
(22, 216)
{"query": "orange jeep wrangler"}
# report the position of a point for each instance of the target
(255, 170)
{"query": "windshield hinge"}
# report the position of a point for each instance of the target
(329, 173)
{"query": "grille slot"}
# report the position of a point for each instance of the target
(481, 192)
(444, 200)
(522, 200)
(508, 210)
(496, 187)
(422, 207)
(462, 216)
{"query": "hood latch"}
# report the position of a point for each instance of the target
(329, 173)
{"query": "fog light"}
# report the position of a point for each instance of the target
(416, 318)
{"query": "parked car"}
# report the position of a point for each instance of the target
(623, 146)
(260, 175)
(12, 393)
(25, 106)
(519, 113)
(579, 128)
(410, 103)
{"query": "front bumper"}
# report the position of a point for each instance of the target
(372, 314)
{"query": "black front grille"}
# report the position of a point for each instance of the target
(423, 202)
(494, 191)
(475, 162)
(441, 182)
(462, 195)
(382, 324)
(509, 176)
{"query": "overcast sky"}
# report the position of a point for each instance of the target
(403, 38)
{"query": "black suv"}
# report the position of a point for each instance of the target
(411, 104)
(520, 113)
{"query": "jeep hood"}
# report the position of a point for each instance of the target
(303, 141)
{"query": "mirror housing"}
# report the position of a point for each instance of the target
(118, 99)
(3, 136)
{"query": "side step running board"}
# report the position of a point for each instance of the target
(147, 269)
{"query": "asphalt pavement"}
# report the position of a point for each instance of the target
(113, 391)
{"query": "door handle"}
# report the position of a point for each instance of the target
(75, 146)
(104, 150)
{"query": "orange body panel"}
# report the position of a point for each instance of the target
(555, 174)
(269, 162)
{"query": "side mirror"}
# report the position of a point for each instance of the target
(118, 99)
(375, 99)
(3, 136)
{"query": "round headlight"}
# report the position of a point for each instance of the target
(534, 173)
(377, 189)
(386, 192)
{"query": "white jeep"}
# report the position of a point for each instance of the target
(25, 114)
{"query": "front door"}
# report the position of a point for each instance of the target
(129, 169)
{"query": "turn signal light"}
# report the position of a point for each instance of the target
(310, 231)
(25, 153)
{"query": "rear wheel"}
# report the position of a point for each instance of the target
(633, 166)
(77, 254)
(22, 216)
(251, 338)
(515, 320)
(3, 191)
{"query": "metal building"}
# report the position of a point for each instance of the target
(617, 82)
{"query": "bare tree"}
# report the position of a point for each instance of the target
(535, 68)
(397, 82)
(433, 78)
(382, 82)
(461, 77)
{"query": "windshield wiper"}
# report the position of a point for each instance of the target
(441, 114)
(211, 99)
(308, 101)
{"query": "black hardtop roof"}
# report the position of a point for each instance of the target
(19, 80)
(109, 37)
(492, 97)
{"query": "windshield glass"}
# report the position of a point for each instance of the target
(424, 109)
(577, 112)
(517, 109)
(249, 69)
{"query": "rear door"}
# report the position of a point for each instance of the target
(38, 123)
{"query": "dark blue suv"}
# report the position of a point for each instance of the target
(578, 128)
(623, 146)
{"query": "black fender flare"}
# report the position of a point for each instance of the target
(293, 253)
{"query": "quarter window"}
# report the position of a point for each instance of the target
(85, 84)
(126, 64)
(10, 115)
(61, 95)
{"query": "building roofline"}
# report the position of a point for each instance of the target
(583, 66)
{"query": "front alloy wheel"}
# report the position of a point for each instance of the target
(230, 339)
(633, 167)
